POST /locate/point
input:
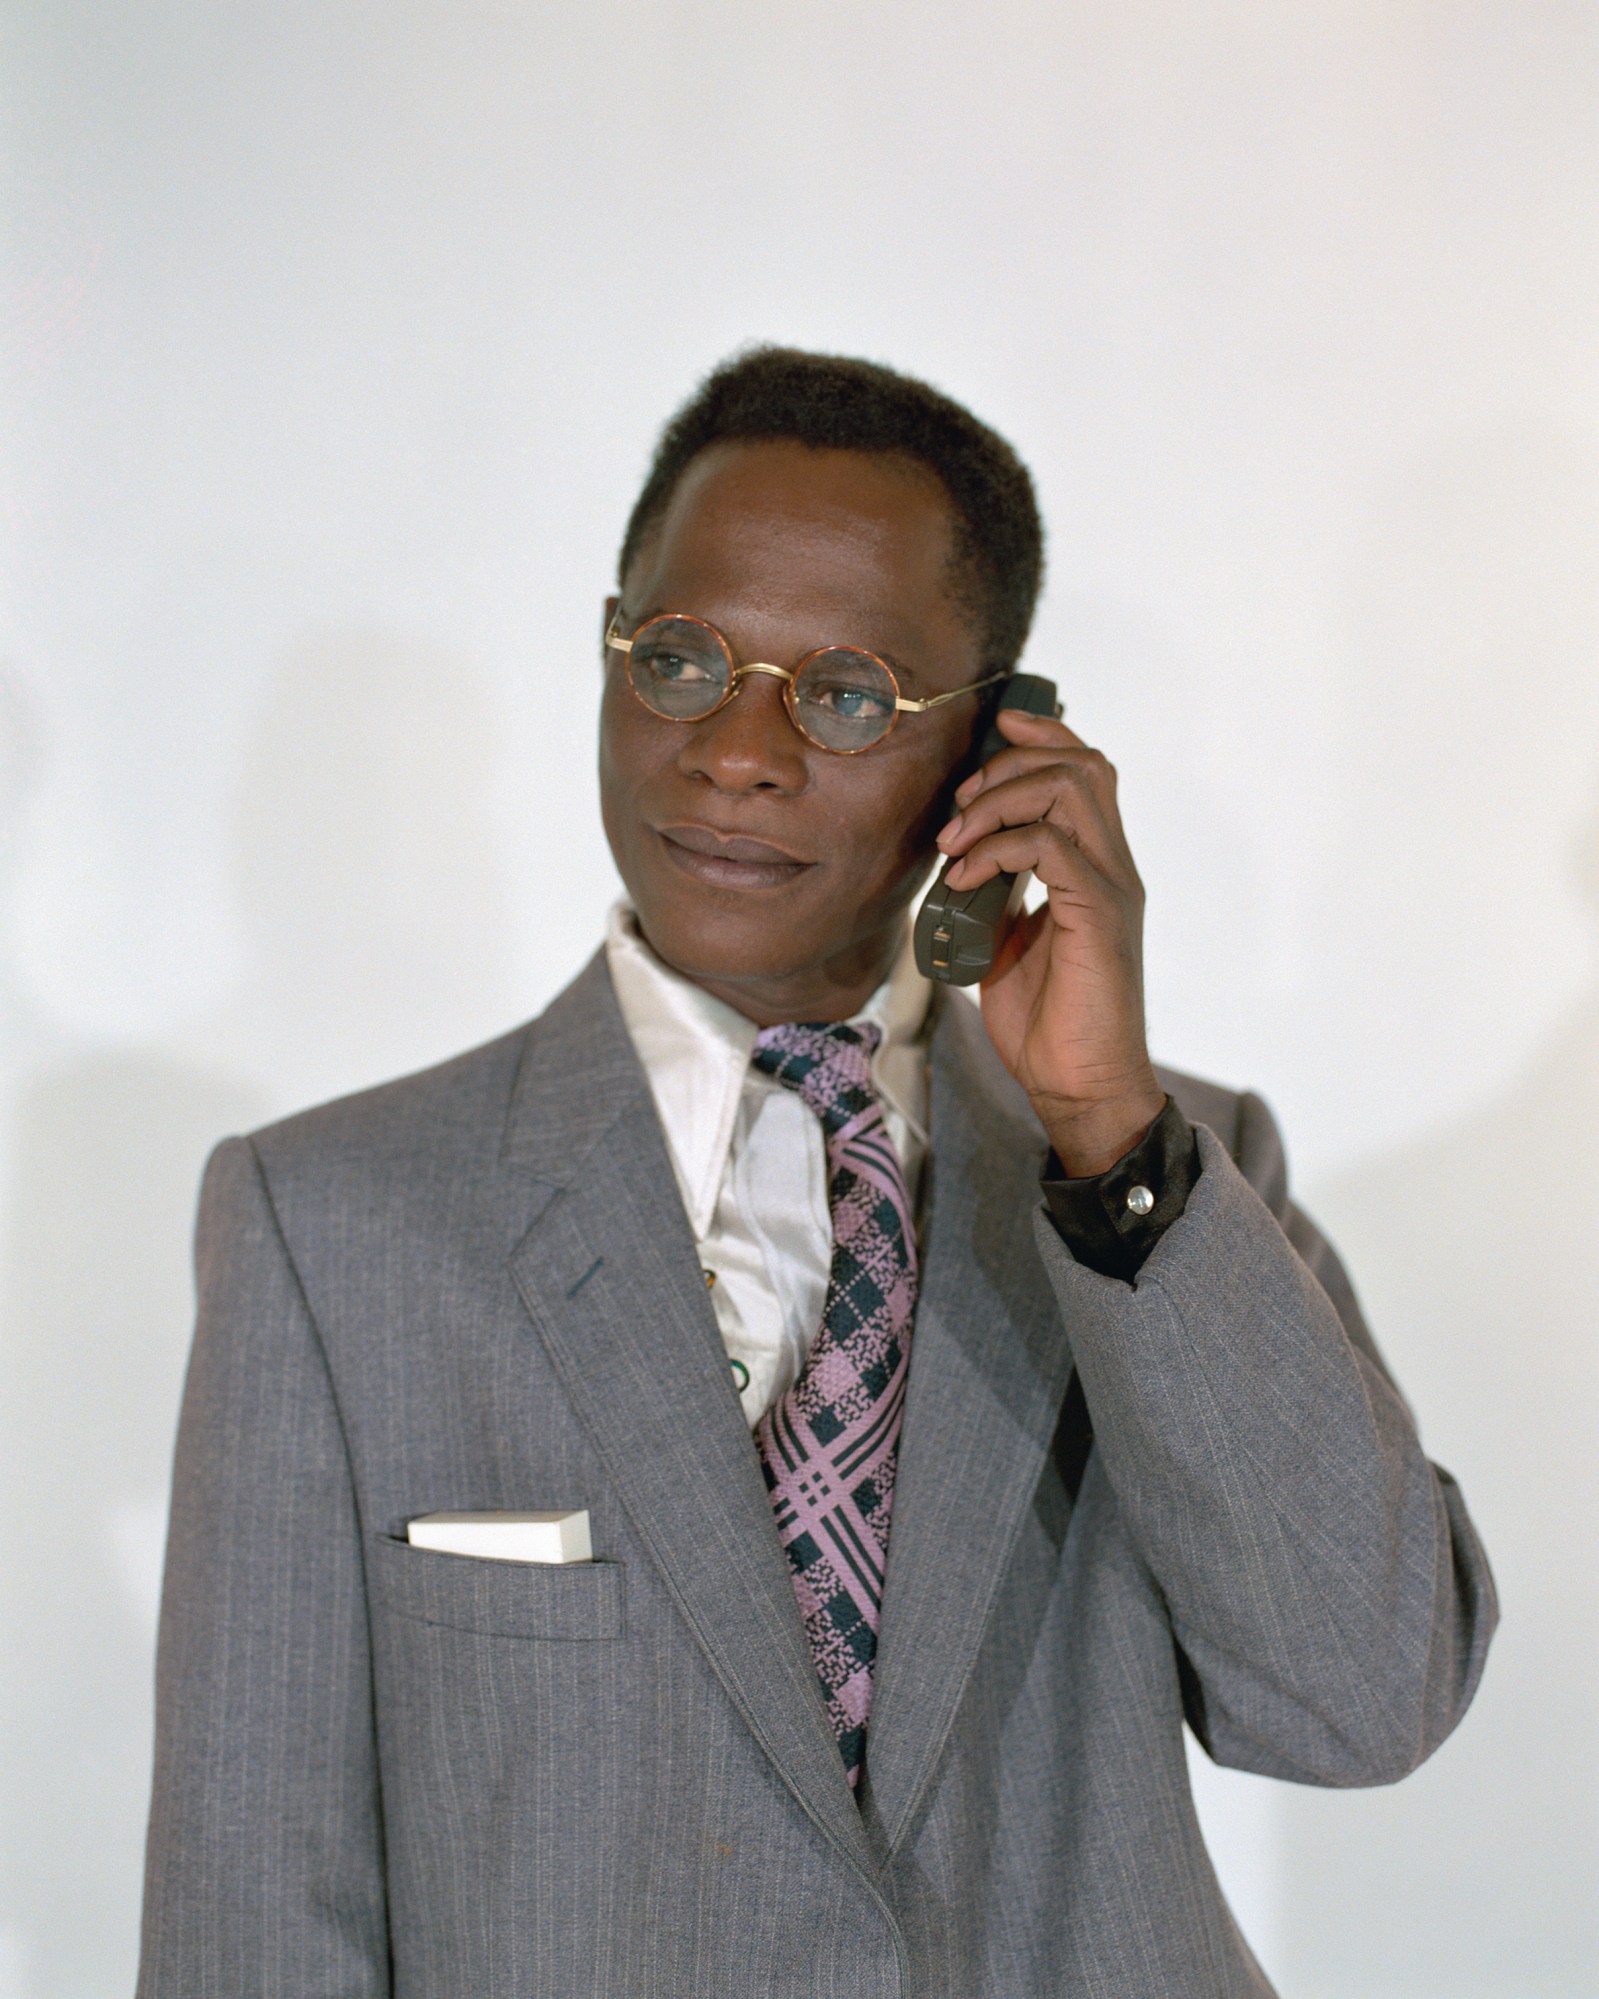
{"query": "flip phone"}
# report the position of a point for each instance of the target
(958, 929)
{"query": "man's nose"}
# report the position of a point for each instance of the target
(750, 743)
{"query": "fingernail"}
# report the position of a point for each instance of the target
(950, 831)
(968, 790)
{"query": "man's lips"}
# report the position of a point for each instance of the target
(729, 860)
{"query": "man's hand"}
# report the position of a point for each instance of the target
(1064, 1004)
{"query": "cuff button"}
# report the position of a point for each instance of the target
(1139, 1200)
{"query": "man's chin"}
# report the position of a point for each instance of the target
(717, 946)
(767, 951)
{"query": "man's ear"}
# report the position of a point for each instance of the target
(610, 612)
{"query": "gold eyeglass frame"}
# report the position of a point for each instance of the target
(736, 674)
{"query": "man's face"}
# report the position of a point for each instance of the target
(772, 872)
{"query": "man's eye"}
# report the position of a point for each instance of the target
(674, 666)
(855, 704)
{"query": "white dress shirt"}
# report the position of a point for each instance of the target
(749, 1156)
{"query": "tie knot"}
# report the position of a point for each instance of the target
(829, 1065)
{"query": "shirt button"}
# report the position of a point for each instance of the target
(1139, 1200)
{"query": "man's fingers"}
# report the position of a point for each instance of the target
(1043, 732)
(1044, 742)
(1049, 852)
(1017, 762)
(1017, 726)
(1027, 790)
(1058, 748)
(1062, 794)
(1028, 733)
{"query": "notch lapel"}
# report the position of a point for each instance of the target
(989, 1367)
(609, 1276)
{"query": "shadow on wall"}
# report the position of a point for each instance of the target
(369, 881)
(1479, 1246)
(1473, 623)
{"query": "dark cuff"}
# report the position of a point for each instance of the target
(1093, 1217)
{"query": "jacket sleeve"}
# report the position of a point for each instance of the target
(264, 1865)
(1329, 1599)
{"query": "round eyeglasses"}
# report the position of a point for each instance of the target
(839, 697)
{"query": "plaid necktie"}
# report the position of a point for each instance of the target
(828, 1446)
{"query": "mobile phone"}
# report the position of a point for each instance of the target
(958, 929)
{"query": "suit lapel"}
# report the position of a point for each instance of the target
(608, 1274)
(989, 1367)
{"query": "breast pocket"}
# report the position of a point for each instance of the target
(559, 1600)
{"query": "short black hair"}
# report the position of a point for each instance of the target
(834, 401)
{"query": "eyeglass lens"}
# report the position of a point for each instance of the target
(842, 699)
(678, 668)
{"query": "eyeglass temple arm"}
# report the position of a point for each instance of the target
(954, 694)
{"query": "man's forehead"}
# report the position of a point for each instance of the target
(805, 526)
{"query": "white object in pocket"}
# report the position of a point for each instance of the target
(506, 1537)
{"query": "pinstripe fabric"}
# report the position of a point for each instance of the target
(383, 1771)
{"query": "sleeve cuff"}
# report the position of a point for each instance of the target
(1111, 1223)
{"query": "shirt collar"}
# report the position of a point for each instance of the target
(696, 1052)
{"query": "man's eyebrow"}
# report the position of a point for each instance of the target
(908, 679)
(911, 678)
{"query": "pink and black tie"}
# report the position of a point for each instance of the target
(828, 1447)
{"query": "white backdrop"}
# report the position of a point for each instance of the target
(337, 335)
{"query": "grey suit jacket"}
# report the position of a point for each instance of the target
(385, 1770)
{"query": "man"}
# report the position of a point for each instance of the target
(958, 1401)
